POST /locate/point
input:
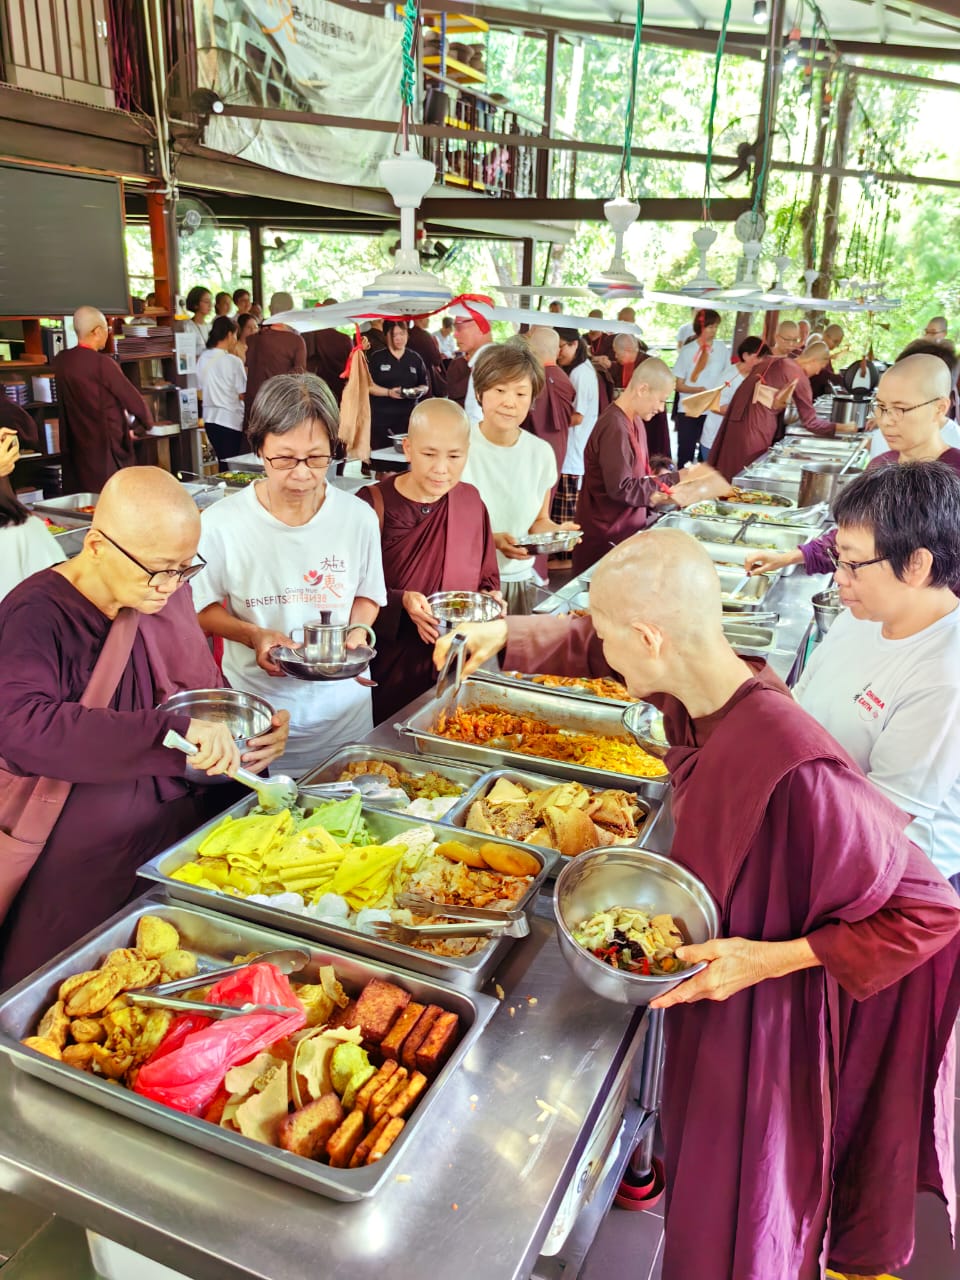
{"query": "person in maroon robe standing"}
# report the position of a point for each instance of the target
(752, 420)
(552, 413)
(805, 1066)
(436, 536)
(129, 798)
(275, 349)
(422, 341)
(328, 352)
(94, 395)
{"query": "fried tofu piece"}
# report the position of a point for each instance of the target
(359, 1156)
(408, 1055)
(156, 1025)
(177, 964)
(88, 1030)
(391, 1132)
(379, 1005)
(392, 1042)
(155, 937)
(306, 1132)
(54, 1025)
(69, 985)
(403, 1102)
(40, 1044)
(437, 1045)
(136, 970)
(79, 1055)
(374, 1084)
(385, 1095)
(344, 1142)
(113, 1065)
(95, 994)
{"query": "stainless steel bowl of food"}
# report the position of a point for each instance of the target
(826, 609)
(645, 724)
(606, 879)
(450, 608)
(246, 715)
(398, 442)
(549, 543)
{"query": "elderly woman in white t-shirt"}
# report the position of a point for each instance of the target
(514, 471)
(884, 681)
(283, 551)
(703, 363)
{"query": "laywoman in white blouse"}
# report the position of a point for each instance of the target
(703, 363)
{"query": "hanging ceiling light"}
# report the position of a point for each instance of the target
(703, 238)
(760, 13)
(621, 213)
(408, 178)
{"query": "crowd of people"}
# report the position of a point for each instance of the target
(825, 823)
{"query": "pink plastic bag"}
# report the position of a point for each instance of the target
(187, 1069)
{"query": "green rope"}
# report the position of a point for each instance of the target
(408, 74)
(714, 96)
(626, 158)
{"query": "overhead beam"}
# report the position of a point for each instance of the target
(679, 209)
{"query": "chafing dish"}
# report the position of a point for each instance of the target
(716, 537)
(218, 939)
(469, 971)
(648, 793)
(575, 715)
(69, 504)
(331, 769)
(750, 595)
(510, 680)
(748, 639)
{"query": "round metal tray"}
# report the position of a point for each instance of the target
(293, 663)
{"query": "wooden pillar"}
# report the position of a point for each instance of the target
(163, 243)
(256, 264)
(549, 115)
(528, 266)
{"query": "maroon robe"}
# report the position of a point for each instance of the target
(828, 1073)
(550, 414)
(428, 349)
(327, 354)
(458, 379)
(617, 487)
(129, 799)
(13, 418)
(750, 429)
(447, 546)
(658, 427)
(94, 434)
(272, 351)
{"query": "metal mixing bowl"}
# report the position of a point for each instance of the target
(645, 723)
(397, 442)
(246, 715)
(826, 609)
(548, 544)
(605, 878)
(450, 608)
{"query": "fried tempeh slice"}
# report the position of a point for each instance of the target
(379, 1005)
(408, 1055)
(386, 1140)
(366, 1146)
(307, 1131)
(392, 1043)
(362, 1100)
(344, 1142)
(437, 1046)
(403, 1102)
(380, 1102)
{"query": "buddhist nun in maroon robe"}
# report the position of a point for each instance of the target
(436, 536)
(94, 396)
(552, 413)
(752, 420)
(618, 496)
(275, 349)
(422, 341)
(328, 352)
(806, 1067)
(130, 797)
(657, 427)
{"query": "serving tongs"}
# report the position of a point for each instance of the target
(451, 673)
(163, 994)
(423, 906)
(393, 931)
(208, 1010)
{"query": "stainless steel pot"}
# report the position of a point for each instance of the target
(848, 410)
(819, 482)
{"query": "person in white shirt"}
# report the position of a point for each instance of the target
(574, 358)
(280, 553)
(885, 681)
(472, 337)
(514, 471)
(200, 304)
(685, 333)
(701, 364)
(26, 544)
(222, 380)
(446, 340)
(749, 351)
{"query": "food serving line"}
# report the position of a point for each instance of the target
(522, 1149)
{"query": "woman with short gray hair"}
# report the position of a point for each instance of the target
(282, 551)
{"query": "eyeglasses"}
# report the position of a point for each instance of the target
(934, 333)
(894, 412)
(851, 567)
(316, 462)
(156, 577)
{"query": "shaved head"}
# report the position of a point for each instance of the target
(833, 336)
(815, 351)
(627, 315)
(439, 414)
(915, 378)
(544, 343)
(146, 505)
(625, 344)
(788, 329)
(86, 319)
(652, 372)
(596, 314)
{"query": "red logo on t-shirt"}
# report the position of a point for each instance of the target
(312, 578)
(869, 703)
